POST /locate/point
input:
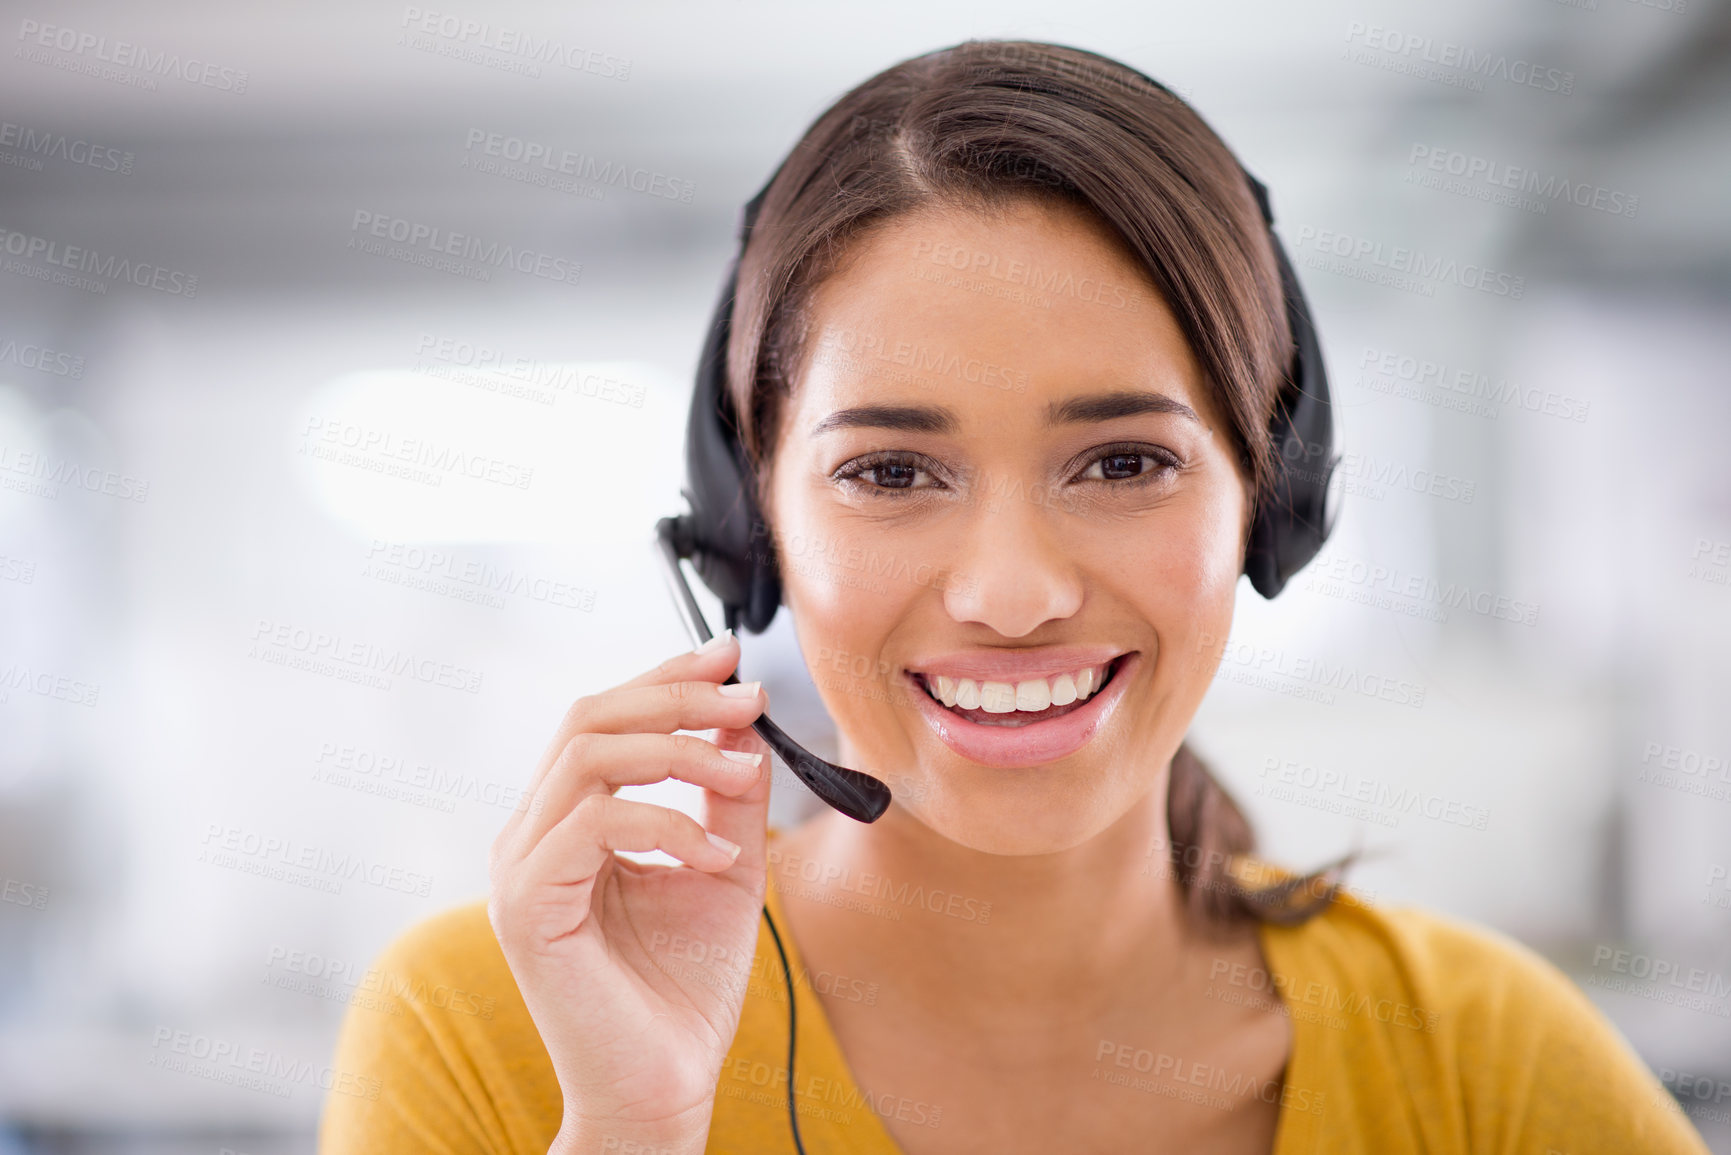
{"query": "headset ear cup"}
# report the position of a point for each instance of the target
(765, 597)
(1293, 519)
(732, 548)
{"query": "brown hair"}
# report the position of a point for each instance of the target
(983, 123)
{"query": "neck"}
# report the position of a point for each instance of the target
(1059, 937)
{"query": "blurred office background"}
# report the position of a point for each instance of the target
(1533, 548)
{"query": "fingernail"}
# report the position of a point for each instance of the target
(722, 845)
(742, 756)
(715, 643)
(740, 689)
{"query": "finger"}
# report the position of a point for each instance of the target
(722, 653)
(743, 818)
(673, 706)
(655, 707)
(602, 763)
(712, 664)
(585, 839)
(665, 708)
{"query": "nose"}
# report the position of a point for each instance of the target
(1012, 573)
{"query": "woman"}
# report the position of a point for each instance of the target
(1009, 341)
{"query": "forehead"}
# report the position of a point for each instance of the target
(989, 313)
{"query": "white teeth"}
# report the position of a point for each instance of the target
(1006, 698)
(1033, 695)
(1063, 690)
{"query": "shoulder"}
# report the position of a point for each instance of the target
(1467, 979)
(1466, 969)
(439, 1030)
(450, 945)
(1477, 1029)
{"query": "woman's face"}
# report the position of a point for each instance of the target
(1000, 464)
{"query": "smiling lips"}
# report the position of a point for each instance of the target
(1021, 708)
(1031, 696)
(1016, 688)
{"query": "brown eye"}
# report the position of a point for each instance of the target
(893, 475)
(1121, 465)
(888, 476)
(1130, 465)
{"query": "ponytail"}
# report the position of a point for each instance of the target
(1211, 843)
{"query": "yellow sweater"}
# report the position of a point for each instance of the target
(1411, 1034)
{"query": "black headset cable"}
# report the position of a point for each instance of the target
(787, 973)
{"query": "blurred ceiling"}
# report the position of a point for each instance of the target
(342, 112)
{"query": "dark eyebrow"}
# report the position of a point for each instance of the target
(909, 418)
(1106, 406)
(936, 419)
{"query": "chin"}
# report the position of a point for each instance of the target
(1025, 811)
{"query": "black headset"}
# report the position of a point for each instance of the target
(727, 540)
(725, 535)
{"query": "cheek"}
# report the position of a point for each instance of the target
(1220, 538)
(814, 560)
(1186, 576)
(845, 597)
(1188, 580)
